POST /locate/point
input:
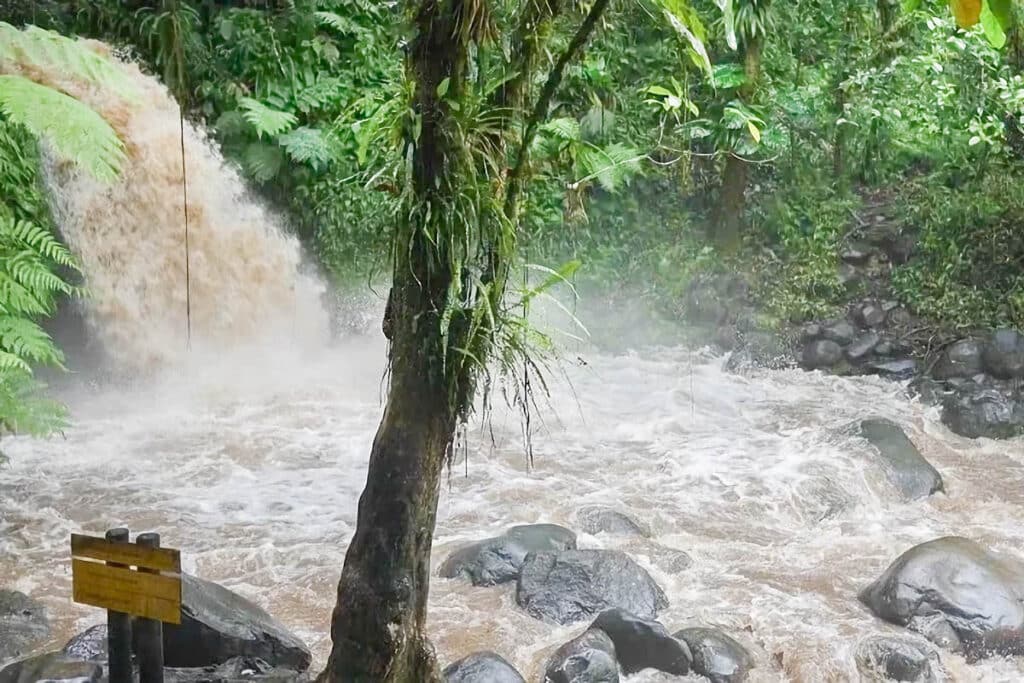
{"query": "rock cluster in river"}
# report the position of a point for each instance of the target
(868, 340)
(23, 624)
(222, 637)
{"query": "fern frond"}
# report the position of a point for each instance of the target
(28, 341)
(265, 120)
(39, 239)
(263, 161)
(563, 128)
(339, 23)
(307, 145)
(22, 409)
(10, 361)
(74, 130)
(16, 299)
(612, 166)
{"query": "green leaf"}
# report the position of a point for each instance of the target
(442, 87)
(911, 5)
(307, 145)
(75, 131)
(994, 32)
(684, 21)
(728, 76)
(263, 161)
(265, 120)
(1003, 12)
(729, 22)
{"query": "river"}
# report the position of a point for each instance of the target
(252, 465)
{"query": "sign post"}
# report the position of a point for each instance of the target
(138, 579)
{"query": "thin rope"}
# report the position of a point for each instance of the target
(184, 207)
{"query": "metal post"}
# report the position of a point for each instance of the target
(119, 629)
(149, 632)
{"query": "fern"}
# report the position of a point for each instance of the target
(265, 120)
(307, 145)
(339, 23)
(612, 166)
(28, 342)
(75, 131)
(263, 161)
(22, 408)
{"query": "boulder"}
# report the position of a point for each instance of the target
(89, 645)
(235, 670)
(1003, 355)
(897, 659)
(840, 331)
(884, 348)
(482, 667)
(902, 369)
(810, 332)
(871, 314)
(597, 519)
(821, 354)
(53, 667)
(573, 585)
(974, 412)
(23, 624)
(717, 656)
(671, 560)
(218, 625)
(960, 359)
(590, 658)
(956, 594)
(643, 644)
(862, 346)
(498, 560)
(906, 468)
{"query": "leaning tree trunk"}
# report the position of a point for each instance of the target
(377, 627)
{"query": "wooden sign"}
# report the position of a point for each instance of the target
(143, 591)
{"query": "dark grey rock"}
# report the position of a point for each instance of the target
(573, 585)
(810, 332)
(89, 645)
(855, 254)
(897, 659)
(900, 318)
(871, 315)
(671, 560)
(717, 656)
(848, 275)
(976, 412)
(23, 624)
(840, 331)
(643, 644)
(218, 625)
(590, 658)
(960, 359)
(482, 667)
(498, 560)
(1003, 355)
(956, 594)
(906, 468)
(901, 369)
(820, 354)
(884, 348)
(235, 670)
(596, 519)
(890, 305)
(51, 667)
(862, 346)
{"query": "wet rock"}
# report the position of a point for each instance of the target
(51, 667)
(841, 332)
(862, 346)
(960, 359)
(498, 560)
(820, 354)
(897, 370)
(235, 670)
(597, 519)
(590, 658)
(884, 348)
(23, 624)
(717, 656)
(89, 645)
(855, 254)
(1003, 355)
(900, 318)
(956, 594)
(871, 315)
(897, 659)
(975, 412)
(671, 560)
(573, 585)
(848, 275)
(810, 332)
(218, 625)
(643, 644)
(482, 667)
(890, 305)
(905, 467)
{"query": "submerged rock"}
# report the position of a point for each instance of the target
(589, 658)
(717, 656)
(1003, 355)
(89, 645)
(956, 594)
(897, 659)
(573, 585)
(597, 519)
(974, 412)
(235, 670)
(52, 666)
(901, 369)
(906, 468)
(643, 644)
(960, 359)
(23, 624)
(218, 625)
(482, 667)
(821, 354)
(499, 559)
